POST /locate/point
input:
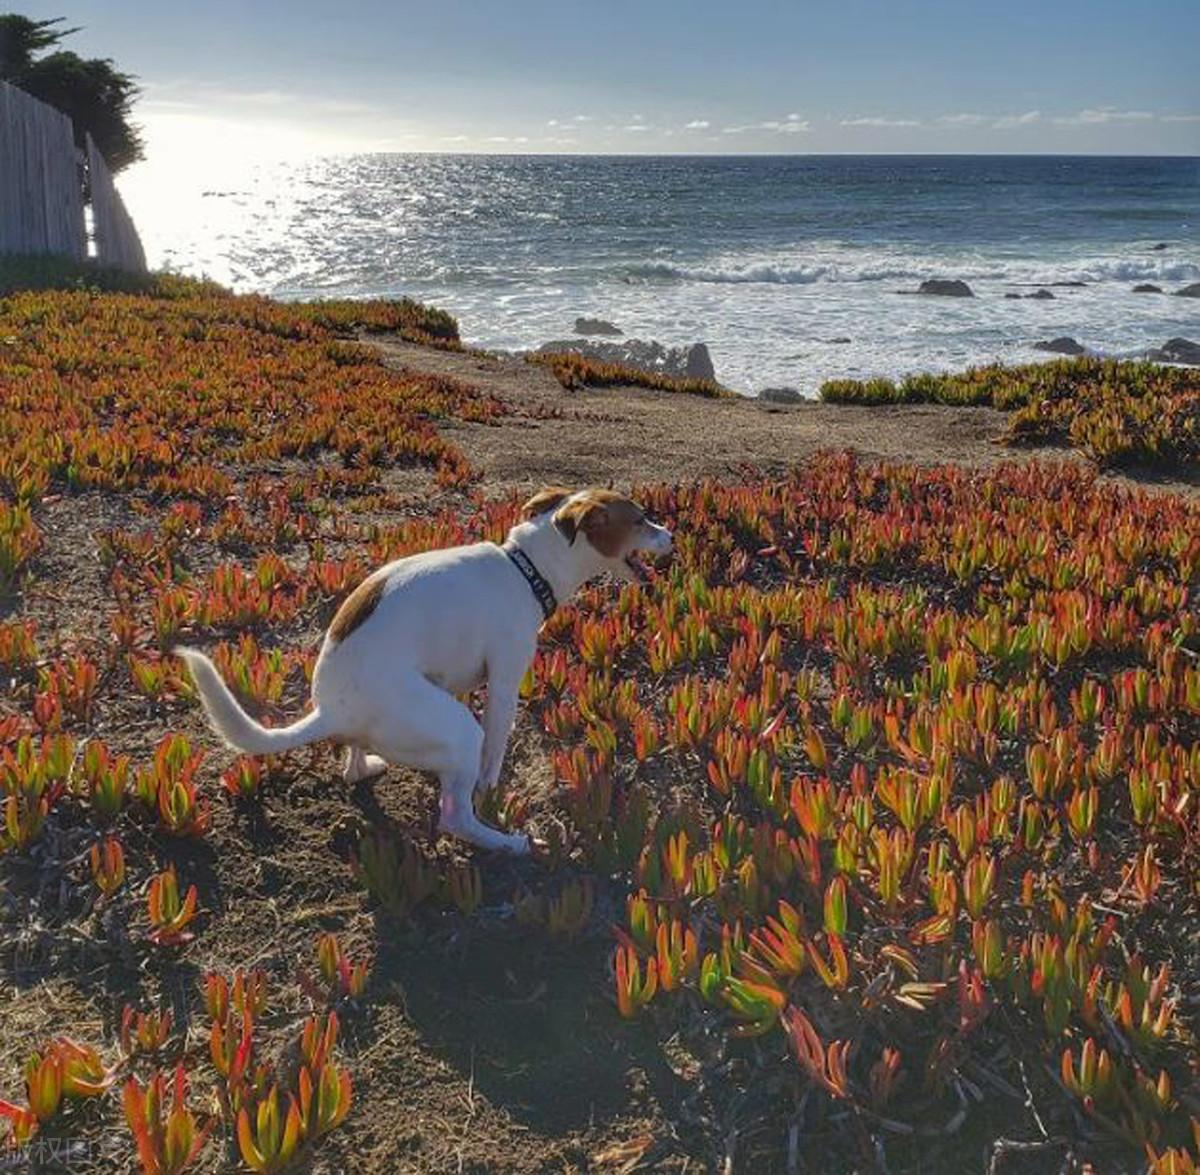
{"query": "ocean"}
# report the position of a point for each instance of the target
(768, 260)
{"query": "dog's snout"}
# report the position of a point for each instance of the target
(661, 540)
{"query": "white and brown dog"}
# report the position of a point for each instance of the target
(420, 630)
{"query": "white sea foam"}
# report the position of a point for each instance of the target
(788, 271)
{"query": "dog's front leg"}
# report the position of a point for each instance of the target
(498, 717)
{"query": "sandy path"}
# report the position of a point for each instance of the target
(631, 435)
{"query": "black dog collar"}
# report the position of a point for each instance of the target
(542, 590)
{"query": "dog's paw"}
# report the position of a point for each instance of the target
(517, 846)
(360, 766)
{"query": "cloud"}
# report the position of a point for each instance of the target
(792, 125)
(962, 119)
(698, 124)
(204, 97)
(637, 126)
(877, 121)
(1103, 114)
(1181, 118)
(1007, 121)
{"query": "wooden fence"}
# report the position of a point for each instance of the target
(42, 180)
(116, 239)
(41, 193)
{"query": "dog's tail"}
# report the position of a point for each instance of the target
(235, 726)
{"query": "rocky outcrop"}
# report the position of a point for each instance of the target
(1159, 247)
(1192, 291)
(694, 362)
(597, 326)
(946, 288)
(780, 396)
(1147, 288)
(840, 339)
(1177, 351)
(1063, 345)
(698, 363)
(1041, 295)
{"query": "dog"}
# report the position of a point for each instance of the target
(423, 629)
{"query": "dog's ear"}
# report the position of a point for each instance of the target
(545, 499)
(580, 514)
(604, 518)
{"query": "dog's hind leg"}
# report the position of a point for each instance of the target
(432, 731)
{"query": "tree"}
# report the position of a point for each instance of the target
(92, 92)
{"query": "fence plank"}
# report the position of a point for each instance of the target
(41, 199)
(117, 241)
(41, 188)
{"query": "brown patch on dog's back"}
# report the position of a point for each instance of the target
(605, 517)
(357, 607)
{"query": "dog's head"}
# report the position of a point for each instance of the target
(613, 529)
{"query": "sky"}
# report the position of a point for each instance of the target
(257, 77)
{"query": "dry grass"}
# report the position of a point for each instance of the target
(573, 370)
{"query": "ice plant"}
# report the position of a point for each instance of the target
(169, 917)
(63, 1069)
(634, 990)
(824, 1065)
(105, 777)
(677, 954)
(143, 1032)
(756, 1004)
(325, 1098)
(568, 912)
(464, 887)
(341, 976)
(268, 1139)
(168, 1141)
(244, 778)
(108, 865)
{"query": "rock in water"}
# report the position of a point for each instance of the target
(1147, 288)
(596, 326)
(1159, 247)
(1177, 351)
(1014, 297)
(1041, 295)
(840, 339)
(780, 396)
(1063, 345)
(1192, 291)
(699, 364)
(693, 362)
(946, 288)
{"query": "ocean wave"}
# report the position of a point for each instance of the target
(789, 272)
(1135, 269)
